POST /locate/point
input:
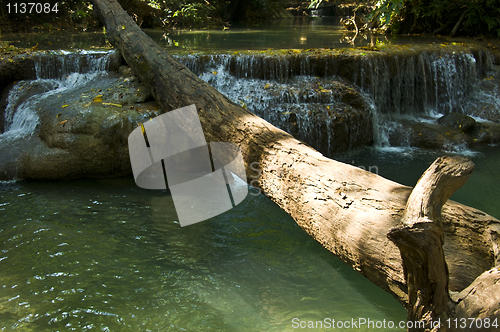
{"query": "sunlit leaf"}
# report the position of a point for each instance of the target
(65, 105)
(111, 104)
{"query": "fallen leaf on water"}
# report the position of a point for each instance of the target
(65, 105)
(97, 100)
(86, 105)
(123, 27)
(63, 122)
(98, 96)
(267, 86)
(214, 72)
(58, 115)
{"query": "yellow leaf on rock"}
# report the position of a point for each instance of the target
(58, 115)
(86, 105)
(111, 104)
(63, 122)
(267, 86)
(123, 27)
(97, 100)
(65, 105)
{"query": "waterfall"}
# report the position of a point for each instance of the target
(58, 65)
(56, 72)
(284, 88)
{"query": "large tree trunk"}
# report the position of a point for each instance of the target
(348, 210)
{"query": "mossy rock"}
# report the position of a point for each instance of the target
(460, 121)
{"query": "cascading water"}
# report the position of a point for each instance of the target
(56, 73)
(305, 106)
(406, 86)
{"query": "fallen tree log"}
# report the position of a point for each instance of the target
(348, 210)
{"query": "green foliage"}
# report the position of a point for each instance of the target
(264, 9)
(315, 4)
(483, 15)
(387, 11)
(181, 13)
(194, 14)
(474, 17)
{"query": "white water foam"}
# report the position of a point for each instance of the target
(56, 74)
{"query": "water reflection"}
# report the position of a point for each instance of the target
(288, 33)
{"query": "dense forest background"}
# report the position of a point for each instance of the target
(445, 17)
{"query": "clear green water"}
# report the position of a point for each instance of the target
(405, 166)
(298, 32)
(106, 255)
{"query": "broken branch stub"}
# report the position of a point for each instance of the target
(420, 238)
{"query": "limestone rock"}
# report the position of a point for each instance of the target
(460, 121)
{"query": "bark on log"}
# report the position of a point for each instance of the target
(420, 239)
(348, 210)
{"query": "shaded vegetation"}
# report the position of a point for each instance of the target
(445, 17)
(449, 17)
(148, 14)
